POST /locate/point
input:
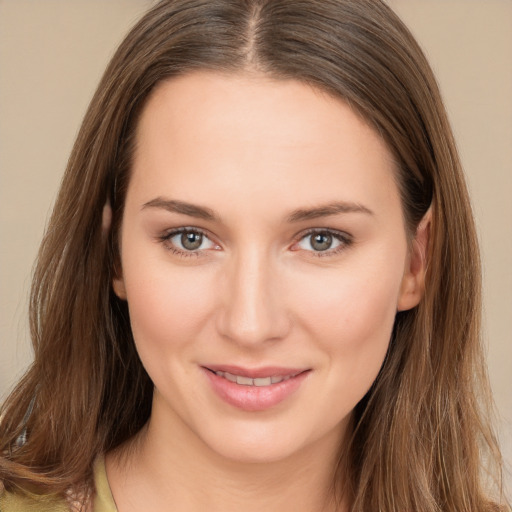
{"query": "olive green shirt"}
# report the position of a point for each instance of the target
(103, 500)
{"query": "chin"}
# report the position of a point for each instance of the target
(256, 453)
(270, 442)
(252, 442)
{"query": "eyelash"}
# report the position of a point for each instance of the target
(344, 239)
(167, 237)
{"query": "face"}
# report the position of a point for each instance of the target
(263, 258)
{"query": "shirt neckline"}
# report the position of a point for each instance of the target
(103, 499)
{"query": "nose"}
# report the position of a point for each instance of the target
(253, 301)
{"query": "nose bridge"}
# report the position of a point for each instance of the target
(253, 310)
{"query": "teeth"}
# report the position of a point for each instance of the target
(263, 382)
(230, 377)
(244, 381)
(247, 381)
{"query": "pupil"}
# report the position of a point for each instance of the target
(321, 241)
(191, 241)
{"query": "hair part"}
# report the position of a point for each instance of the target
(419, 434)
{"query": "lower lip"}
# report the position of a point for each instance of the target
(254, 398)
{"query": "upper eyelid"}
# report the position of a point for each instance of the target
(343, 236)
(173, 231)
(335, 232)
(169, 233)
(345, 240)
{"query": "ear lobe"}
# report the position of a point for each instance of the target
(119, 287)
(118, 282)
(106, 218)
(413, 281)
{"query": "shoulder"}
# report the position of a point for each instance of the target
(100, 501)
(13, 502)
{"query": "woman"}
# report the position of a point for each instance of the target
(259, 287)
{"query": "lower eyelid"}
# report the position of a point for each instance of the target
(344, 239)
(166, 238)
(184, 254)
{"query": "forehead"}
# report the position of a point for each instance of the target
(248, 134)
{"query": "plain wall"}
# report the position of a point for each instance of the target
(53, 52)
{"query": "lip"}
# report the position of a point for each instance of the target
(255, 398)
(255, 373)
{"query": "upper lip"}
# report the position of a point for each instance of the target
(255, 373)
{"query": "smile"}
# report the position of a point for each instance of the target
(254, 390)
(258, 381)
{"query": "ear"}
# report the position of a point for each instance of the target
(413, 281)
(106, 218)
(118, 286)
(106, 223)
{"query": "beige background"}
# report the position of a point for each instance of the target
(52, 53)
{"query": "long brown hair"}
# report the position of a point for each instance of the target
(421, 433)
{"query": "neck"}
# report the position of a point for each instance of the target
(159, 471)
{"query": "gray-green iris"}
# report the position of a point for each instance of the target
(191, 240)
(321, 241)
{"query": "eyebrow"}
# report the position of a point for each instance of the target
(328, 209)
(172, 205)
(301, 214)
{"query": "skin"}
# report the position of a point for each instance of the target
(257, 153)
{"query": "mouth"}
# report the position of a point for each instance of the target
(243, 380)
(255, 389)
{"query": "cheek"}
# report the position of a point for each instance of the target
(169, 306)
(351, 317)
(350, 300)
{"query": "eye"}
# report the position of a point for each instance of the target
(188, 240)
(324, 241)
